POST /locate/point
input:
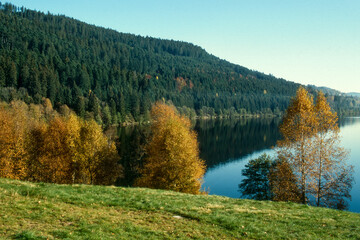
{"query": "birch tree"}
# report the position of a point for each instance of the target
(172, 160)
(311, 147)
(297, 129)
(332, 176)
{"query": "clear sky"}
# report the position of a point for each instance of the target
(305, 41)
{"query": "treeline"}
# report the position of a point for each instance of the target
(341, 103)
(115, 77)
(39, 144)
(345, 105)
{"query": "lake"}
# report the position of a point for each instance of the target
(228, 145)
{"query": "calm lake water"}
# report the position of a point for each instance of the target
(228, 145)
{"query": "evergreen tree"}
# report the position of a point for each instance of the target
(11, 77)
(256, 184)
(94, 107)
(80, 107)
(106, 116)
(2, 77)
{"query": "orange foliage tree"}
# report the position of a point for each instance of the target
(332, 176)
(70, 150)
(297, 129)
(311, 149)
(38, 144)
(52, 150)
(172, 160)
(13, 126)
(283, 183)
(96, 156)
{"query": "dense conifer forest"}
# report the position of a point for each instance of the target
(114, 77)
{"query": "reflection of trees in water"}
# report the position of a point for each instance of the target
(130, 144)
(348, 121)
(222, 141)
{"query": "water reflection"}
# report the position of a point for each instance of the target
(223, 141)
(130, 145)
(348, 121)
(350, 131)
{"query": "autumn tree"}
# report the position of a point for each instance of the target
(282, 182)
(39, 144)
(17, 120)
(51, 149)
(311, 148)
(269, 179)
(71, 150)
(13, 126)
(96, 157)
(297, 130)
(332, 177)
(172, 161)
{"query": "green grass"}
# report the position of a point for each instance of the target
(50, 211)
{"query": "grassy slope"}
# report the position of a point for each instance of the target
(36, 211)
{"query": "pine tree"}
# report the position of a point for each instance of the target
(94, 107)
(106, 116)
(2, 77)
(256, 184)
(80, 106)
(11, 77)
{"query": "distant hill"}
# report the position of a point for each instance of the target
(326, 90)
(100, 72)
(342, 103)
(354, 94)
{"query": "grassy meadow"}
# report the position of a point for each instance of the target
(50, 211)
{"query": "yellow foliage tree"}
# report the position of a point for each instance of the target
(172, 161)
(38, 144)
(52, 150)
(71, 150)
(297, 129)
(332, 177)
(96, 156)
(13, 126)
(311, 148)
(282, 182)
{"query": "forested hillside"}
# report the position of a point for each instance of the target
(113, 77)
(342, 103)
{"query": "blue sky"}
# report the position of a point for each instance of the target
(308, 41)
